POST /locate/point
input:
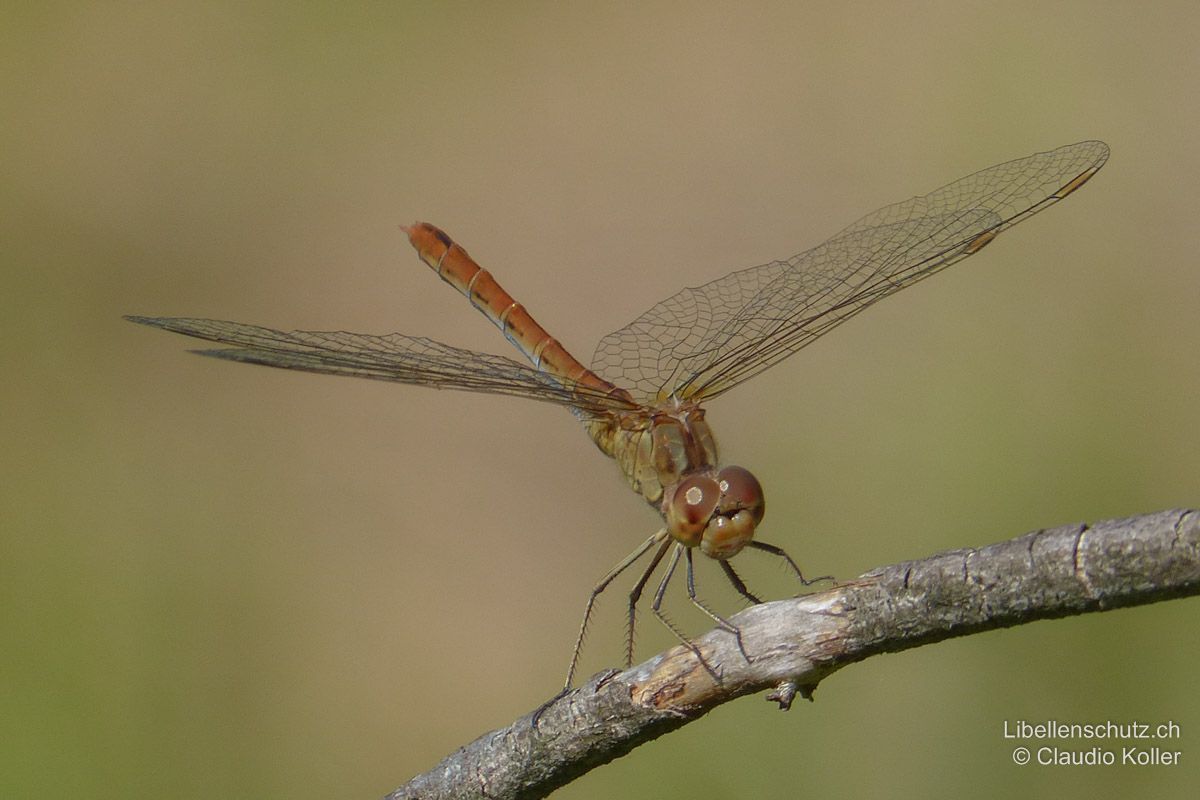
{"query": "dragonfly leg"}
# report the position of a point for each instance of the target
(722, 623)
(656, 607)
(635, 594)
(779, 552)
(600, 587)
(738, 583)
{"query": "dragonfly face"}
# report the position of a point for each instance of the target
(716, 511)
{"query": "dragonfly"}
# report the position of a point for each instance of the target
(641, 400)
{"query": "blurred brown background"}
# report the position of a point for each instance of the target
(224, 581)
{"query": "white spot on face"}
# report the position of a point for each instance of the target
(724, 486)
(693, 496)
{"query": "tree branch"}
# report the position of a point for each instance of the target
(791, 645)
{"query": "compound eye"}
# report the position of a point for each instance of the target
(691, 506)
(741, 490)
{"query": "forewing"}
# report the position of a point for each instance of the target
(702, 341)
(394, 357)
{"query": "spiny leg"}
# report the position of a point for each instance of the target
(635, 594)
(656, 607)
(779, 552)
(722, 623)
(600, 587)
(738, 583)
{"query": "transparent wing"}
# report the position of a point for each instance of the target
(703, 341)
(394, 357)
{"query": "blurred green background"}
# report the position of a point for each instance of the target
(223, 581)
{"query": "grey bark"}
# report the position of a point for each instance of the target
(791, 645)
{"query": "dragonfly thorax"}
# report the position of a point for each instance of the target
(670, 458)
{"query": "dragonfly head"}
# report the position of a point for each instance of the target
(716, 510)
